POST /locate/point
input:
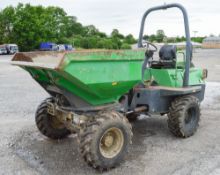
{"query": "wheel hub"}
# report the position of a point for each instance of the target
(111, 142)
(55, 123)
(108, 141)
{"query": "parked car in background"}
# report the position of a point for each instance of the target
(3, 50)
(61, 47)
(69, 47)
(12, 48)
(48, 46)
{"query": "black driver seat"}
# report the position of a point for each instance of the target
(167, 59)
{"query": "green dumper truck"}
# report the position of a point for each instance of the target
(97, 93)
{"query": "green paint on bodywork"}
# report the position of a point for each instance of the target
(174, 77)
(96, 77)
(106, 55)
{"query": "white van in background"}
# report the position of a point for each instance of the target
(12, 48)
(61, 47)
(3, 50)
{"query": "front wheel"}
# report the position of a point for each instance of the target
(49, 125)
(104, 141)
(184, 116)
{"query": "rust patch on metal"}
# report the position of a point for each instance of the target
(22, 57)
(52, 58)
(62, 60)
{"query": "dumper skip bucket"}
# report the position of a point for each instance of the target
(95, 77)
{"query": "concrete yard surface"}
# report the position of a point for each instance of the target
(155, 151)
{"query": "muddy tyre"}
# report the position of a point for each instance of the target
(104, 141)
(48, 125)
(184, 116)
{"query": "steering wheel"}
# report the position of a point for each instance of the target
(148, 45)
(148, 55)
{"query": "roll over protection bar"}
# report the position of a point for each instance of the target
(187, 33)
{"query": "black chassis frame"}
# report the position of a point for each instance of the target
(157, 100)
(149, 100)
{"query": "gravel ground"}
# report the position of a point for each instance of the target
(154, 151)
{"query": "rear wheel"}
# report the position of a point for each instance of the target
(49, 125)
(104, 141)
(184, 116)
